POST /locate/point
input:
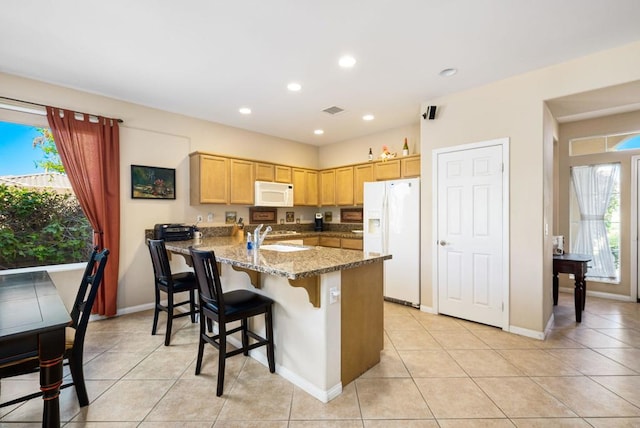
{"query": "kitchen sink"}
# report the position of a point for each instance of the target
(282, 248)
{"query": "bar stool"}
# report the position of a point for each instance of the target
(223, 308)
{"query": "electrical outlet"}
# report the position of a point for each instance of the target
(334, 295)
(210, 217)
(199, 218)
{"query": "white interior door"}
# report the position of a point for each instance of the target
(470, 245)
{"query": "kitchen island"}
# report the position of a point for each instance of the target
(328, 321)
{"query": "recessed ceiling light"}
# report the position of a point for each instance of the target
(448, 72)
(318, 132)
(347, 61)
(294, 87)
(368, 117)
(245, 110)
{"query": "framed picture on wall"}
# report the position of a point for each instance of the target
(152, 182)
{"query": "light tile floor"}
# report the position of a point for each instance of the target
(435, 371)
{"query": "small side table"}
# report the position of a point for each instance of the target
(577, 265)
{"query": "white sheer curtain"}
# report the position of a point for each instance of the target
(593, 185)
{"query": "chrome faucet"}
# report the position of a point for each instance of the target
(264, 235)
(256, 236)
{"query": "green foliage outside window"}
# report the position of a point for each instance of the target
(41, 227)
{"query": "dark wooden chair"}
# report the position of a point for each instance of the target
(171, 284)
(74, 334)
(222, 308)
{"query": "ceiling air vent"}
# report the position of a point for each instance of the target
(333, 110)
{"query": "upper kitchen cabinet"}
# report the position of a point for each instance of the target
(305, 186)
(361, 174)
(283, 174)
(209, 179)
(386, 170)
(410, 166)
(265, 171)
(242, 182)
(327, 187)
(344, 186)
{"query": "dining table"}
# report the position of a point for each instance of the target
(33, 318)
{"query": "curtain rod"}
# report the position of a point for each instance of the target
(42, 105)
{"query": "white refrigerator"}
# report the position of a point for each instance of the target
(392, 226)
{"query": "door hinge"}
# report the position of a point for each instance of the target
(502, 306)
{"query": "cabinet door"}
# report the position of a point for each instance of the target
(387, 170)
(283, 174)
(209, 179)
(242, 182)
(344, 186)
(410, 167)
(299, 181)
(312, 188)
(328, 187)
(264, 171)
(361, 174)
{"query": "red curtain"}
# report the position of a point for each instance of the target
(90, 154)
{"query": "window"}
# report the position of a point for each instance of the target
(41, 222)
(604, 143)
(595, 218)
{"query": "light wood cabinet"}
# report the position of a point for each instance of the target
(283, 174)
(410, 166)
(209, 179)
(387, 170)
(361, 174)
(330, 241)
(305, 186)
(327, 187)
(264, 171)
(222, 180)
(312, 187)
(344, 186)
(351, 244)
(312, 240)
(242, 180)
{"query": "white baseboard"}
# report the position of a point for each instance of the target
(526, 332)
(549, 326)
(601, 294)
(427, 309)
(126, 311)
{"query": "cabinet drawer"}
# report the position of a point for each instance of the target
(328, 241)
(352, 244)
(313, 240)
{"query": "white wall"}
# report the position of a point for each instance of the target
(514, 108)
(357, 150)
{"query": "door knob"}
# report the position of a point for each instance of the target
(442, 243)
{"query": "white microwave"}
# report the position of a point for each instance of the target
(270, 194)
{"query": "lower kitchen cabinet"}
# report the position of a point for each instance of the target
(351, 244)
(312, 241)
(330, 241)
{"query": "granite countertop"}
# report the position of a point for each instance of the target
(292, 265)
